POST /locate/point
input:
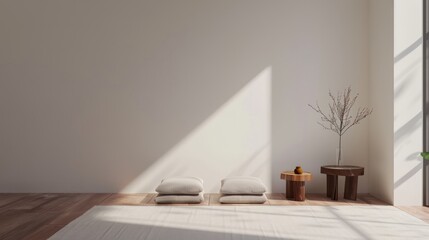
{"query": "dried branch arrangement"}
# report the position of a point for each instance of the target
(340, 118)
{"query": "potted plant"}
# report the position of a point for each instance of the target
(339, 119)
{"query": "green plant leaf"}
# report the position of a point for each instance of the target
(425, 155)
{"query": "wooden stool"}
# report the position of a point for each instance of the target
(350, 188)
(295, 184)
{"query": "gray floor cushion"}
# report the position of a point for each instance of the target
(181, 185)
(242, 185)
(161, 198)
(243, 199)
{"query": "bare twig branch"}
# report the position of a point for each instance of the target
(340, 118)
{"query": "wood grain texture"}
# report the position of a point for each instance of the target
(289, 189)
(350, 188)
(417, 211)
(291, 176)
(342, 170)
(125, 199)
(39, 216)
(295, 190)
(332, 186)
(298, 189)
(350, 172)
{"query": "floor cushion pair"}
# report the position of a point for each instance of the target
(238, 190)
(180, 190)
(246, 190)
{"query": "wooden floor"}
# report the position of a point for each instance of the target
(38, 216)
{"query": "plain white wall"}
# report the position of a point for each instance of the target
(381, 99)
(408, 124)
(110, 96)
(396, 95)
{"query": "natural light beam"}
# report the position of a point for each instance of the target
(233, 141)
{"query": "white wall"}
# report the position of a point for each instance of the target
(408, 165)
(381, 99)
(396, 95)
(110, 96)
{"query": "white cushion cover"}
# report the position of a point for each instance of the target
(243, 199)
(180, 185)
(242, 185)
(179, 198)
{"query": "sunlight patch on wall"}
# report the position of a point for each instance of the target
(233, 141)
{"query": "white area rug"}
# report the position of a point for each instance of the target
(244, 223)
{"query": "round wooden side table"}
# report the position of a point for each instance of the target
(350, 172)
(295, 184)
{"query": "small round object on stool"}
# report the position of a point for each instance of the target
(298, 170)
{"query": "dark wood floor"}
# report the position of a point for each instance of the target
(39, 216)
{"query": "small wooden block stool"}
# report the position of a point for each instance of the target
(295, 184)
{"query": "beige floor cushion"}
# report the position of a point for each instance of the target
(243, 199)
(242, 185)
(179, 198)
(180, 185)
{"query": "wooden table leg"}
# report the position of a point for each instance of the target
(289, 189)
(299, 190)
(332, 186)
(350, 188)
